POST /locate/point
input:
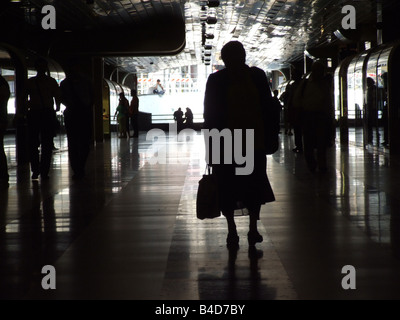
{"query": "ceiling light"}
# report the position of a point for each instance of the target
(213, 3)
(211, 20)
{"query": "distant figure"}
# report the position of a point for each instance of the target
(134, 114)
(276, 102)
(239, 97)
(284, 99)
(4, 96)
(159, 89)
(121, 113)
(371, 109)
(294, 111)
(77, 96)
(178, 117)
(188, 118)
(317, 117)
(43, 91)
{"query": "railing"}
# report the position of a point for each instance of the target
(169, 118)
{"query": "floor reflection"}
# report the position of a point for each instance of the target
(239, 280)
(318, 223)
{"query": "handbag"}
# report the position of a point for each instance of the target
(207, 203)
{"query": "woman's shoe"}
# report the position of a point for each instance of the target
(232, 240)
(254, 237)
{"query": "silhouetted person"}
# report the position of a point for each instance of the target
(239, 97)
(276, 102)
(284, 99)
(77, 96)
(4, 96)
(188, 118)
(178, 117)
(134, 114)
(371, 109)
(43, 91)
(294, 112)
(121, 113)
(317, 117)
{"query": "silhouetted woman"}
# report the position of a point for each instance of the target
(239, 97)
(317, 117)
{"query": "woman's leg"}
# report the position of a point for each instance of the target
(230, 221)
(254, 214)
(233, 239)
(254, 236)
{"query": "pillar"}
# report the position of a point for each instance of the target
(98, 75)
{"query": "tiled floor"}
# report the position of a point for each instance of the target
(129, 230)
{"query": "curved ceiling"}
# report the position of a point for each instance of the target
(149, 35)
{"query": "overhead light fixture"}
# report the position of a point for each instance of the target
(211, 20)
(213, 3)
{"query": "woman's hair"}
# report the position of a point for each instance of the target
(233, 54)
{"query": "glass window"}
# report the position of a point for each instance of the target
(350, 90)
(359, 86)
(337, 87)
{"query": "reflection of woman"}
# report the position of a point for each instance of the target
(121, 113)
(239, 97)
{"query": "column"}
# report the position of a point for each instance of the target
(98, 75)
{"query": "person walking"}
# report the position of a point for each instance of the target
(134, 114)
(294, 111)
(121, 114)
(4, 96)
(43, 92)
(317, 117)
(239, 97)
(77, 96)
(178, 118)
